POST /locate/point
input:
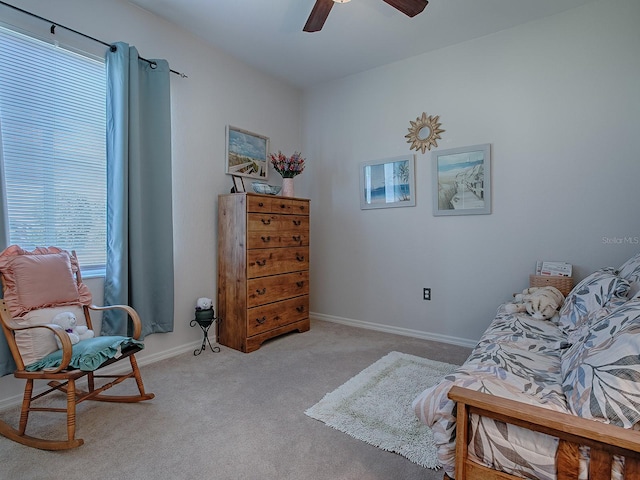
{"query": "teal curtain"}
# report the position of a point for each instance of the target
(7, 365)
(139, 207)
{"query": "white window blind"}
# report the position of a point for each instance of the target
(52, 116)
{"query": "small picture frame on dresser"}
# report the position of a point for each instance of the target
(238, 184)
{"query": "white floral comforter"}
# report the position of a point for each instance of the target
(585, 361)
(518, 358)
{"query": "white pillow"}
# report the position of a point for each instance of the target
(36, 343)
(589, 297)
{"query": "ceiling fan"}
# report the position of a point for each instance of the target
(321, 10)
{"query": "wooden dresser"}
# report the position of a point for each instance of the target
(263, 268)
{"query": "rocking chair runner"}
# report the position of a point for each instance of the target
(37, 285)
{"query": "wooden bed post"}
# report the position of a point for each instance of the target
(462, 439)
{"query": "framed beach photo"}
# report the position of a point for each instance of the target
(246, 154)
(462, 180)
(388, 183)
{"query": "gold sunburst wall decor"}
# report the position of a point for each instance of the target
(424, 132)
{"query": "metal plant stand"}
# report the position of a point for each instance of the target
(205, 318)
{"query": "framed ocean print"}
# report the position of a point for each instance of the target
(388, 183)
(246, 154)
(462, 180)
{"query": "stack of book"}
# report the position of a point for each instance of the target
(553, 269)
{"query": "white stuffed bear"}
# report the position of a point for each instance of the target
(67, 320)
(204, 303)
(541, 303)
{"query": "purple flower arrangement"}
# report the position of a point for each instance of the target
(288, 167)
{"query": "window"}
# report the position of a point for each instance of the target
(52, 122)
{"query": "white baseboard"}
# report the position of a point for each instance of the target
(407, 332)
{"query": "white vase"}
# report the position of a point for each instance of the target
(287, 187)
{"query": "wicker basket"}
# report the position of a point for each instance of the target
(564, 284)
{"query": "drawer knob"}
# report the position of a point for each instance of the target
(266, 221)
(266, 239)
(300, 308)
(261, 320)
(261, 263)
(300, 284)
(261, 292)
(261, 204)
(299, 257)
(296, 238)
(297, 222)
(282, 205)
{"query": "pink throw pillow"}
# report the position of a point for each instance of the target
(38, 279)
(43, 280)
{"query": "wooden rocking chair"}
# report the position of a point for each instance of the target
(38, 285)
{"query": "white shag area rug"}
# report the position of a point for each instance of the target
(375, 406)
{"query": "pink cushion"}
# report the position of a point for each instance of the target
(42, 278)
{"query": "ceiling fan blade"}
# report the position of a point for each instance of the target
(318, 15)
(410, 8)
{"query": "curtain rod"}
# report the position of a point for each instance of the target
(55, 24)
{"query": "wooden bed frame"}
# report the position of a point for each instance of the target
(604, 440)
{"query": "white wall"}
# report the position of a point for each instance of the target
(219, 91)
(559, 102)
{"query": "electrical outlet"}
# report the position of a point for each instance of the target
(426, 294)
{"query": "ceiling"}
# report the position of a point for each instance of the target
(357, 36)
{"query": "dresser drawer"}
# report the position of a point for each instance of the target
(289, 206)
(292, 238)
(259, 203)
(274, 261)
(270, 204)
(271, 289)
(274, 315)
(257, 222)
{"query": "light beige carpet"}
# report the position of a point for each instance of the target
(231, 415)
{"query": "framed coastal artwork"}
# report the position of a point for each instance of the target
(388, 183)
(462, 180)
(246, 154)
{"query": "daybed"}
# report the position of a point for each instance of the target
(548, 399)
